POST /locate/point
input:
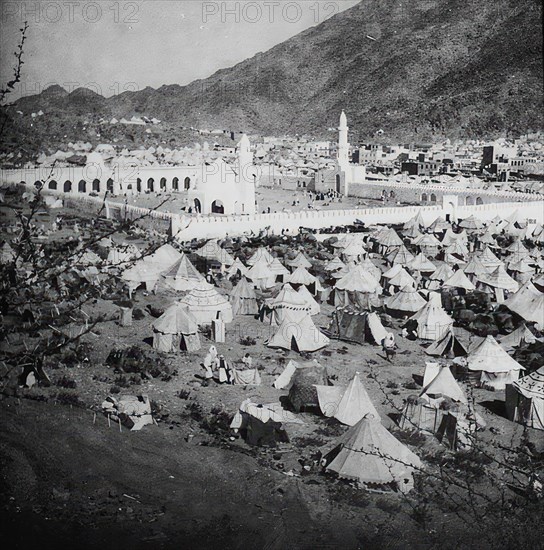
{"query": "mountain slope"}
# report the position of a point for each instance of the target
(421, 69)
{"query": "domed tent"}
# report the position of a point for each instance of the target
(528, 303)
(432, 320)
(243, 299)
(358, 289)
(288, 301)
(408, 300)
(492, 365)
(181, 276)
(298, 334)
(205, 303)
(176, 329)
(348, 404)
(371, 455)
(525, 400)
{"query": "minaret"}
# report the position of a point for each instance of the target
(343, 145)
(246, 177)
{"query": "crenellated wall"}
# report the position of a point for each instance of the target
(189, 227)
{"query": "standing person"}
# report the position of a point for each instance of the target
(388, 346)
(224, 371)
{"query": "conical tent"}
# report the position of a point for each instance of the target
(277, 268)
(432, 321)
(530, 406)
(298, 334)
(261, 254)
(176, 329)
(347, 404)
(182, 275)
(444, 385)
(212, 251)
(300, 260)
(422, 264)
(287, 302)
(353, 250)
(448, 346)
(315, 308)
(370, 267)
(356, 326)
(459, 280)
(358, 289)
(301, 276)
(450, 237)
(475, 268)
(389, 238)
(439, 225)
(498, 278)
(408, 300)
(390, 273)
(495, 366)
(528, 303)
(261, 276)
(471, 223)
(442, 273)
(237, 267)
(522, 335)
(206, 304)
(402, 280)
(400, 255)
(334, 264)
(371, 455)
(457, 248)
(416, 221)
(243, 299)
(489, 259)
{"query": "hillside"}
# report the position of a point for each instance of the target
(417, 70)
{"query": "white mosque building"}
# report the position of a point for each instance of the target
(216, 187)
(345, 173)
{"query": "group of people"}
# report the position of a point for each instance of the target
(217, 368)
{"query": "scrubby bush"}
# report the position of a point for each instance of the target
(65, 382)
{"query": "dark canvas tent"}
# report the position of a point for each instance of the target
(269, 433)
(303, 393)
(356, 326)
(448, 346)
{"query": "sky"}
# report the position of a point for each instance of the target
(115, 46)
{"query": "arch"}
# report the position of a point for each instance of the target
(67, 186)
(51, 185)
(138, 185)
(129, 187)
(479, 200)
(82, 186)
(175, 184)
(433, 197)
(151, 184)
(96, 185)
(109, 185)
(198, 206)
(187, 183)
(424, 197)
(162, 183)
(218, 207)
(338, 183)
(469, 200)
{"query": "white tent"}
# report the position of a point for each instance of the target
(206, 304)
(347, 404)
(432, 319)
(298, 334)
(529, 408)
(176, 329)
